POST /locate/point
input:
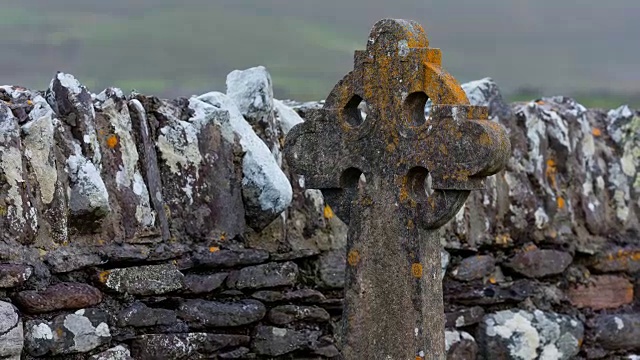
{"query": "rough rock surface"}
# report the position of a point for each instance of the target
(185, 177)
(460, 345)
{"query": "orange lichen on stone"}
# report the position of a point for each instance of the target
(214, 249)
(550, 172)
(416, 270)
(112, 141)
(410, 224)
(29, 102)
(328, 213)
(492, 280)
(503, 239)
(596, 132)
(353, 258)
(560, 202)
(104, 276)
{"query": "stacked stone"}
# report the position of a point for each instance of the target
(133, 227)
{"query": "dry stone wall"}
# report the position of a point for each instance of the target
(134, 227)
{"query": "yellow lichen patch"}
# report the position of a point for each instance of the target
(112, 141)
(104, 276)
(540, 102)
(353, 258)
(410, 224)
(561, 202)
(492, 280)
(328, 213)
(416, 270)
(484, 140)
(596, 132)
(213, 249)
(29, 102)
(101, 242)
(3, 211)
(223, 236)
(503, 239)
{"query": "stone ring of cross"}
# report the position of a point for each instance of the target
(395, 145)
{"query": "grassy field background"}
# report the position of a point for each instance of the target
(586, 49)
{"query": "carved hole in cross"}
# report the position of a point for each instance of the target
(419, 183)
(355, 111)
(352, 177)
(414, 108)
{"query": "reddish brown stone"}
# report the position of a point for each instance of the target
(59, 297)
(605, 292)
(475, 267)
(536, 263)
(619, 259)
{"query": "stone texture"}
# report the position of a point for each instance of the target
(537, 263)
(184, 346)
(11, 332)
(480, 294)
(302, 295)
(460, 345)
(286, 314)
(200, 314)
(264, 276)
(70, 259)
(331, 268)
(143, 280)
(618, 332)
(602, 292)
(80, 332)
(115, 353)
(619, 259)
(512, 334)
(464, 317)
(62, 296)
(203, 284)
(475, 267)
(140, 315)
(275, 341)
(12, 275)
(229, 258)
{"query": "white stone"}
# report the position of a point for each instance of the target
(262, 174)
(287, 117)
(252, 92)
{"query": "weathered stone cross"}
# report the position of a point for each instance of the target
(393, 297)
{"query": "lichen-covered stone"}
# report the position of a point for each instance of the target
(202, 314)
(184, 346)
(264, 276)
(265, 188)
(460, 345)
(216, 258)
(602, 292)
(536, 263)
(618, 259)
(486, 294)
(618, 332)
(285, 314)
(275, 341)
(12, 275)
(474, 267)
(522, 335)
(143, 280)
(80, 332)
(203, 284)
(18, 218)
(132, 208)
(115, 353)
(140, 315)
(252, 91)
(62, 296)
(11, 332)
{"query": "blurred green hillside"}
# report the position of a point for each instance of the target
(171, 48)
